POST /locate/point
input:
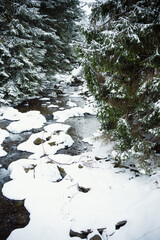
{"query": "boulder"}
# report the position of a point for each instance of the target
(95, 237)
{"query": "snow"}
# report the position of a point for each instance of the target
(62, 116)
(28, 121)
(55, 203)
(57, 127)
(56, 207)
(157, 104)
(71, 104)
(2, 152)
(86, 6)
(10, 113)
(3, 135)
(45, 99)
(54, 197)
(53, 106)
(77, 71)
(50, 141)
(54, 200)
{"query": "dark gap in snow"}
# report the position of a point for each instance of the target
(82, 234)
(83, 189)
(120, 224)
(13, 215)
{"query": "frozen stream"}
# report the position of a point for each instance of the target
(63, 94)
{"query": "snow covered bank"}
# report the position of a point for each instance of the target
(73, 196)
(92, 195)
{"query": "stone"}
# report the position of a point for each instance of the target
(100, 230)
(39, 141)
(120, 224)
(83, 189)
(62, 172)
(95, 237)
(80, 166)
(82, 234)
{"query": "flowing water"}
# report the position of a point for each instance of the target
(12, 213)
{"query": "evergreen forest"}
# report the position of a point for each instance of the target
(35, 43)
(122, 69)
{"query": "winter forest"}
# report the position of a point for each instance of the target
(79, 119)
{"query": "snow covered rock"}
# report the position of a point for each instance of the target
(29, 120)
(10, 113)
(49, 141)
(62, 116)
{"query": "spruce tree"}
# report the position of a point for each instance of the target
(34, 44)
(122, 69)
(60, 17)
(25, 49)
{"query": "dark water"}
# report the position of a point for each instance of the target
(12, 213)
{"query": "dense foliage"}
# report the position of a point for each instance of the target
(35, 39)
(122, 69)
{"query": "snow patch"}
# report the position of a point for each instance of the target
(3, 135)
(10, 113)
(62, 116)
(113, 195)
(29, 120)
(49, 141)
(76, 72)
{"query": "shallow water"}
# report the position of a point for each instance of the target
(13, 212)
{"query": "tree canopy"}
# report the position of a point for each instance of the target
(35, 43)
(122, 68)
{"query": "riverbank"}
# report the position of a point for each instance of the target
(69, 183)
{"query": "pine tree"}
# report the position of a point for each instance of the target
(25, 50)
(34, 42)
(122, 68)
(60, 17)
